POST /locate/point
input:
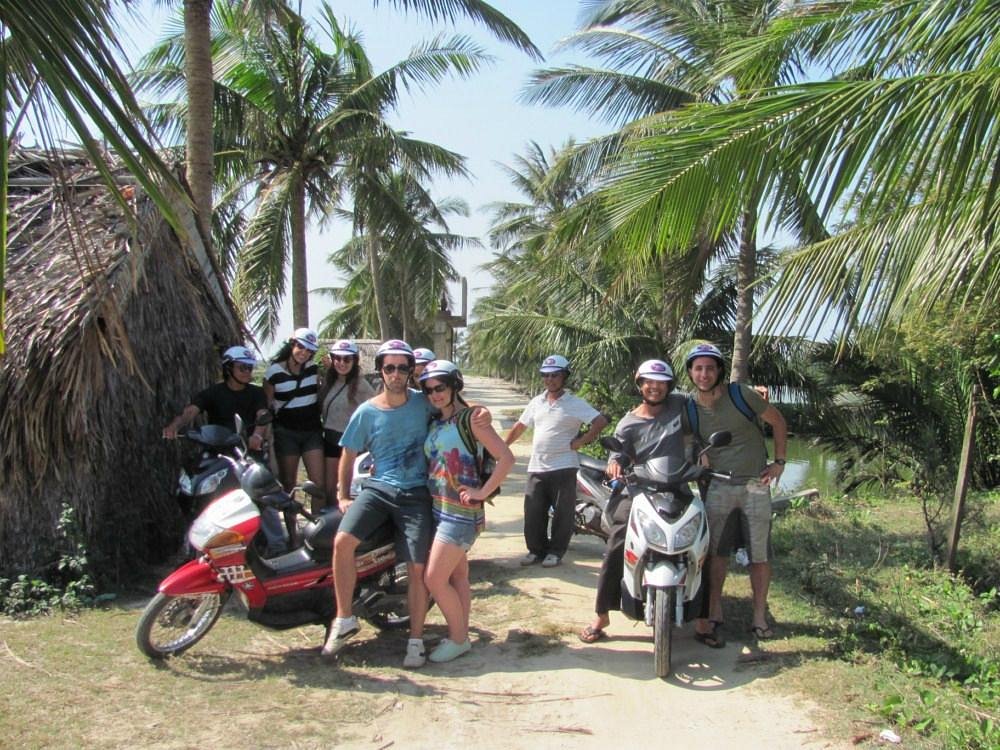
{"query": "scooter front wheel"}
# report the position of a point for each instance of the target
(663, 613)
(172, 624)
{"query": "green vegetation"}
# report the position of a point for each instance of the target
(903, 640)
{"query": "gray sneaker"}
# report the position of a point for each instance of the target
(530, 559)
(341, 630)
(550, 561)
(416, 654)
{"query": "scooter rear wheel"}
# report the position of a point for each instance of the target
(663, 631)
(172, 624)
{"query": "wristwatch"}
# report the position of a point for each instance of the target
(779, 461)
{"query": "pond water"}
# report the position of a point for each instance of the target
(808, 467)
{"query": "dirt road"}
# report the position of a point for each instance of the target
(529, 683)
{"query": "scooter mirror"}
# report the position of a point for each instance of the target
(720, 438)
(238, 420)
(611, 443)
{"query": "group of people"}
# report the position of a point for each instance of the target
(425, 477)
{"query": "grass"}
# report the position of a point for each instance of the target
(919, 658)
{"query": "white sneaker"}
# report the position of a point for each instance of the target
(416, 656)
(530, 559)
(341, 630)
(550, 561)
(447, 650)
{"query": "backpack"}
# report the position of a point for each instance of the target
(736, 396)
(485, 461)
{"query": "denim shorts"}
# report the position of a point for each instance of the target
(457, 533)
(409, 510)
(296, 442)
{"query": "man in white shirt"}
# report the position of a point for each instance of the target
(557, 417)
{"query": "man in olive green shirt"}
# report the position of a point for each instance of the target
(740, 508)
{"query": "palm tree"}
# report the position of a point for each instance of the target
(291, 115)
(905, 142)
(662, 56)
(60, 57)
(414, 263)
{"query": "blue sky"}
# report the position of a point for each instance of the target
(480, 118)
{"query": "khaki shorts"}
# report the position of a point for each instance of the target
(739, 515)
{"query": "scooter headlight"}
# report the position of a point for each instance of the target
(212, 481)
(687, 533)
(651, 529)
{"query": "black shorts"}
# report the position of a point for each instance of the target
(331, 443)
(296, 442)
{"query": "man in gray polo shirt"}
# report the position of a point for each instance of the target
(557, 417)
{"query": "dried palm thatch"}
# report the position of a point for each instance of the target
(113, 324)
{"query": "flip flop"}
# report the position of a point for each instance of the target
(709, 639)
(716, 624)
(762, 634)
(592, 635)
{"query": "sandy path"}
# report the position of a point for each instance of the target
(575, 695)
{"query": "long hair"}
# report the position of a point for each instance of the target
(351, 378)
(283, 353)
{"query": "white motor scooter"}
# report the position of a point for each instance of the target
(665, 544)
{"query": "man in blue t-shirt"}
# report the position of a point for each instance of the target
(392, 427)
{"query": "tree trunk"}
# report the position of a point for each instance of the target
(746, 274)
(371, 243)
(200, 93)
(300, 286)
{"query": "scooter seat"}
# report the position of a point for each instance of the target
(319, 534)
(592, 464)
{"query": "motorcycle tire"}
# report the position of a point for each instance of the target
(663, 631)
(171, 625)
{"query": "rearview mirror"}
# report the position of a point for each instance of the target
(720, 438)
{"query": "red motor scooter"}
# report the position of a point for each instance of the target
(288, 591)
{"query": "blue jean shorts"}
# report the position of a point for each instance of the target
(455, 532)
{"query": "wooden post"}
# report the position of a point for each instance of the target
(962, 484)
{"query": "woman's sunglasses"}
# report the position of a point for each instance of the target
(336, 358)
(244, 368)
(390, 369)
(439, 388)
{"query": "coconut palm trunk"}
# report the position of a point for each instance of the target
(378, 288)
(745, 276)
(200, 89)
(300, 283)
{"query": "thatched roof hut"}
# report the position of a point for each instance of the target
(112, 325)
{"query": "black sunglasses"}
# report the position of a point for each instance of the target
(243, 367)
(439, 388)
(402, 369)
(337, 358)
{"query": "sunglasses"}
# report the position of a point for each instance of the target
(401, 369)
(297, 345)
(439, 388)
(546, 375)
(244, 368)
(347, 358)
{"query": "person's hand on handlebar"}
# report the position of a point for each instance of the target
(614, 470)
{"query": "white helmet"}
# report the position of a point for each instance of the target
(393, 346)
(239, 354)
(705, 350)
(423, 356)
(654, 369)
(555, 363)
(444, 370)
(344, 346)
(307, 337)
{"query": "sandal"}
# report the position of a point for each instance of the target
(762, 633)
(591, 634)
(711, 638)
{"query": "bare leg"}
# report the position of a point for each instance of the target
(460, 582)
(313, 461)
(760, 581)
(442, 564)
(345, 574)
(330, 468)
(717, 568)
(416, 597)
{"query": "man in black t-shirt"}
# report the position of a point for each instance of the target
(222, 401)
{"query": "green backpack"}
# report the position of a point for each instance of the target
(485, 461)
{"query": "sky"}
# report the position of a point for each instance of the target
(480, 117)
